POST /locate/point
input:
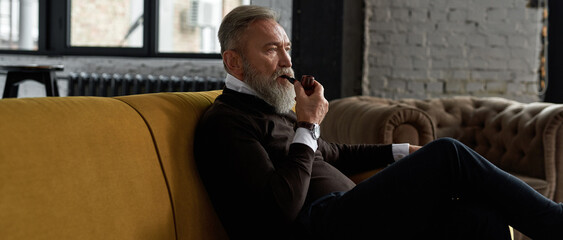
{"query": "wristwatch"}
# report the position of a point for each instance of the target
(314, 128)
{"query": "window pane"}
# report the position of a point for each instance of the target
(106, 23)
(19, 24)
(190, 26)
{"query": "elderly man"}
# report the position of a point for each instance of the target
(270, 176)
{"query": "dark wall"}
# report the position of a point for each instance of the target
(327, 43)
(554, 91)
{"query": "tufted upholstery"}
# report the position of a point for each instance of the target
(520, 138)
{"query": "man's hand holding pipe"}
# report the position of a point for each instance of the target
(311, 105)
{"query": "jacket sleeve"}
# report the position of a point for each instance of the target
(351, 159)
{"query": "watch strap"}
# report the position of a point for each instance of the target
(306, 125)
(313, 128)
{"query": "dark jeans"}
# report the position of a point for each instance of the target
(443, 191)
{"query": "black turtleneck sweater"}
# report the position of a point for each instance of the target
(257, 179)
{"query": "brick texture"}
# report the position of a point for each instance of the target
(452, 47)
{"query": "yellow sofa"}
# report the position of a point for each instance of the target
(103, 168)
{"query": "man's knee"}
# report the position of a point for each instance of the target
(445, 143)
(446, 150)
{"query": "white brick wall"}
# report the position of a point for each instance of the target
(434, 48)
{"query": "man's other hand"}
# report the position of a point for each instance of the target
(414, 148)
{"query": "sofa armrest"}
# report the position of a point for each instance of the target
(357, 120)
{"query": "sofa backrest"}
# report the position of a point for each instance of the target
(172, 119)
(103, 168)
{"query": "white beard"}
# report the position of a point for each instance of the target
(280, 95)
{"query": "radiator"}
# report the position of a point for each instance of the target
(109, 85)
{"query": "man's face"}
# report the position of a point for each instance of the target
(267, 47)
(265, 59)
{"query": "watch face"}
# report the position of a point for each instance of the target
(316, 131)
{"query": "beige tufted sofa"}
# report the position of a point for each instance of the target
(525, 139)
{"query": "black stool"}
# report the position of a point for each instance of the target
(41, 73)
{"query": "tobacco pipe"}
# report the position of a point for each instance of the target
(306, 80)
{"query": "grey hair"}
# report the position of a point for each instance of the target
(236, 22)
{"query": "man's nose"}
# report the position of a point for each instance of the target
(285, 59)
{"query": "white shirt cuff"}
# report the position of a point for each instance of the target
(303, 135)
(400, 150)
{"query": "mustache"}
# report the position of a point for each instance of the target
(283, 71)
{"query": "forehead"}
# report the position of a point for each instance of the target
(266, 30)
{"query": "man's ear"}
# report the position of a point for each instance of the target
(233, 62)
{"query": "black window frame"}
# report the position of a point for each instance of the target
(54, 39)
